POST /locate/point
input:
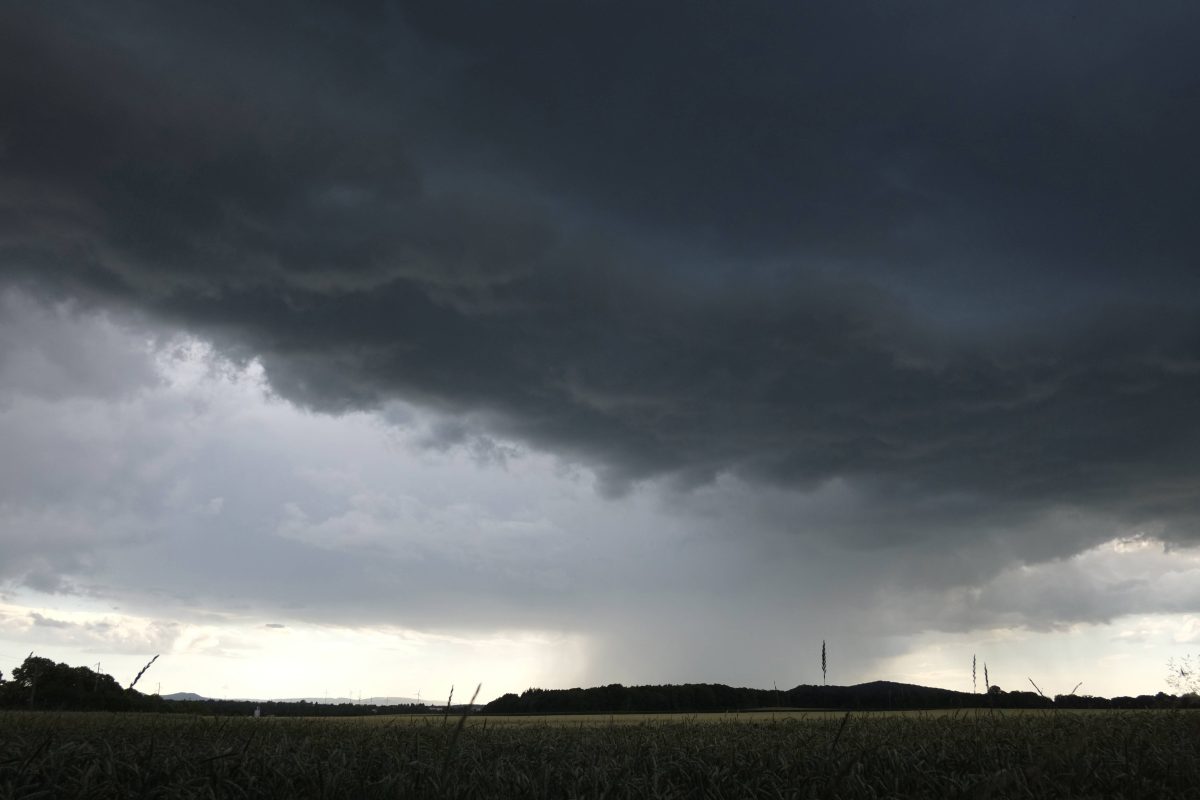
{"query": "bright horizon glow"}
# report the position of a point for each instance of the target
(239, 658)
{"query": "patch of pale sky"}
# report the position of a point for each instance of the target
(1104, 657)
(245, 657)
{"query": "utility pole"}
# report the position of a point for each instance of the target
(33, 678)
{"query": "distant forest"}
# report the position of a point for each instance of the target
(40, 683)
(880, 695)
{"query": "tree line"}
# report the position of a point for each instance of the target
(40, 683)
(880, 695)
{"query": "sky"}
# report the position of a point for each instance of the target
(385, 347)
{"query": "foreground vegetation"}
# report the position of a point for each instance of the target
(1034, 754)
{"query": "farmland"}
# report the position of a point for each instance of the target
(797, 754)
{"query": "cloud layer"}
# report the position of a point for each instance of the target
(716, 248)
(197, 500)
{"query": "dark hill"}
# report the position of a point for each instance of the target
(698, 697)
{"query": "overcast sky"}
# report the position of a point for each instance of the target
(383, 346)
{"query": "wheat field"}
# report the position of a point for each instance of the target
(1105, 754)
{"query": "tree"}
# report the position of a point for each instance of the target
(26, 676)
(41, 683)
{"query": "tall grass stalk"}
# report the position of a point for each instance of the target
(462, 721)
(138, 677)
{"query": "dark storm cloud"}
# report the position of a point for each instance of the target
(882, 136)
(936, 251)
